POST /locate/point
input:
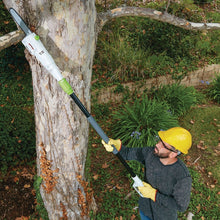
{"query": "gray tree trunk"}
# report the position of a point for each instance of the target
(67, 29)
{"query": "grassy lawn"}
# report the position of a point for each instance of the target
(204, 124)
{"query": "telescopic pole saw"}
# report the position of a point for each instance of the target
(34, 45)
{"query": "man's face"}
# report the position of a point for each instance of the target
(162, 149)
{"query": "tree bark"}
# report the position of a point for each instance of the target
(67, 29)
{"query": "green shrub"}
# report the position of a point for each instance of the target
(137, 123)
(214, 89)
(17, 136)
(178, 97)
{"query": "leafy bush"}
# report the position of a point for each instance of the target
(178, 97)
(137, 123)
(214, 89)
(17, 136)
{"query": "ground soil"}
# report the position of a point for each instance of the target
(17, 196)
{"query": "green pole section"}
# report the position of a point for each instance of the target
(65, 86)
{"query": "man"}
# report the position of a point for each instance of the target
(167, 182)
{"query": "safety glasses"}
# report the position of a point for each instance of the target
(170, 149)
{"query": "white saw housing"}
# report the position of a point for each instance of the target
(34, 45)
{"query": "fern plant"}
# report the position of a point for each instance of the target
(137, 124)
(178, 97)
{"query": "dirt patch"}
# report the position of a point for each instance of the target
(17, 196)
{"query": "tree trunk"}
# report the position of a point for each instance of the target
(67, 30)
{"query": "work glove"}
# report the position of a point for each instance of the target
(116, 143)
(148, 191)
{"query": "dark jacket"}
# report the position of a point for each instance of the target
(173, 183)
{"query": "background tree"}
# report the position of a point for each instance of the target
(69, 30)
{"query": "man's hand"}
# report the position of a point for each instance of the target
(148, 191)
(116, 143)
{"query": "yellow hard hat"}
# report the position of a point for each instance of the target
(177, 137)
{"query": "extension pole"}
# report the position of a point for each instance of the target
(100, 131)
(36, 48)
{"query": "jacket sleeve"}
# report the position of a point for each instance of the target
(180, 197)
(136, 153)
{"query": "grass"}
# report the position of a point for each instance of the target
(204, 203)
(204, 124)
(17, 129)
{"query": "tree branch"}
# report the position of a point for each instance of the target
(10, 39)
(104, 17)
